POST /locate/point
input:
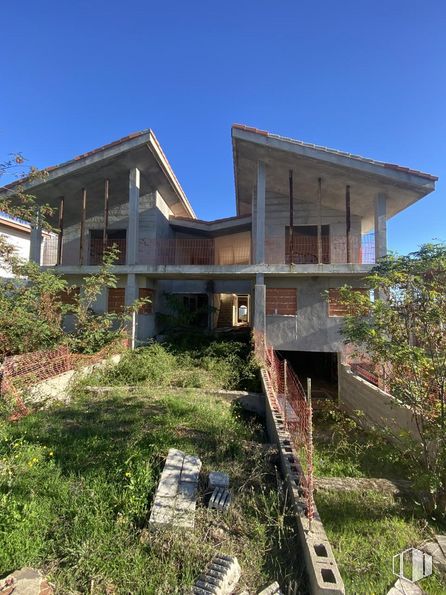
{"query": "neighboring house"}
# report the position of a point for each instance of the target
(309, 219)
(18, 234)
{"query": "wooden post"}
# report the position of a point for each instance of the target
(82, 233)
(319, 225)
(105, 236)
(291, 246)
(347, 220)
(60, 236)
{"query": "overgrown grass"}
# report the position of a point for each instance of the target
(186, 362)
(367, 529)
(76, 484)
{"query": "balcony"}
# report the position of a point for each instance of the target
(98, 247)
(196, 251)
(358, 249)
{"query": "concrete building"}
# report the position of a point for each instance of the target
(309, 219)
(18, 234)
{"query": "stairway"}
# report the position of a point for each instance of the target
(225, 312)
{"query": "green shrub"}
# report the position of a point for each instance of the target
(152, 365)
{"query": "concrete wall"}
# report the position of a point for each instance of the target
(233, 249)
(306, 212)
(378, 408)
(20, 240)
(311, 329)
(153, 224)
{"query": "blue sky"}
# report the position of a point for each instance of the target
(368, 77)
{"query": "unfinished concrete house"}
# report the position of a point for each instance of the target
(309, 219)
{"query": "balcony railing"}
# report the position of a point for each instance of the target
(203, 251)
(333, 250)
(97, 250)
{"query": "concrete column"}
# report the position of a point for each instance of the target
(35, 245)
(132, 294)
(259, 322)
(380, 225)
(132, 230)
(260, 214)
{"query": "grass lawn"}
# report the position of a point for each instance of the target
(367, 529)
(76, 482)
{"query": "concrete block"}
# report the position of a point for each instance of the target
(273, 589)
(220, 577)
(175, 499)
(220, 499)
(218, 479)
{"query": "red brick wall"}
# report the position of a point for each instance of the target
(281, 301)
(116, 300)
(146, 293)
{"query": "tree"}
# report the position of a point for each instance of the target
(403, 331)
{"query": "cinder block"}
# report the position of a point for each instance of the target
(218, 479)
(220, 578)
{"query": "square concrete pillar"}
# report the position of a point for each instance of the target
(132, 230)
(35, 245)
(132, 294)
(259, 322)
(259, 252)
(380, 225)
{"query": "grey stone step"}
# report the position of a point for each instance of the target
(175, 499)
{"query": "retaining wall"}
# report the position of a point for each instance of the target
(57, 387)
(377, 407)
(323, 572)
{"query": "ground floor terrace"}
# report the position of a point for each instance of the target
(295, 312)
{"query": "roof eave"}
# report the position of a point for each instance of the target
(391, 172)
(146, 137)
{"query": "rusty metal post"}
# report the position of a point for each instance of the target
(82, 231)
(310, 482)
(60, 236)
(285, 391)
(105, 233)
(319, 225)
(291, 233)
(347, 220)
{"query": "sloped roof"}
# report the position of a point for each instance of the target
(323, 149)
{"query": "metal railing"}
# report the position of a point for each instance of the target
(196, 251)
(98, 247)
(359, 249)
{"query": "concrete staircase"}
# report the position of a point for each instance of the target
(225, 313)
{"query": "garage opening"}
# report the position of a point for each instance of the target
(321, 367)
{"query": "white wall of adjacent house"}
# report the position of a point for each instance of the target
(17, 237)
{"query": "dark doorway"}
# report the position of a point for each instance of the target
(321, 367)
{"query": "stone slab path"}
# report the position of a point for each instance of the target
(362, 484)
(175, 499)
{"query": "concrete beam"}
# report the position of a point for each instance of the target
(132, 230)
(380, 225)
(260, 214)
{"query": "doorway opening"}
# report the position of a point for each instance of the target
(321, 367)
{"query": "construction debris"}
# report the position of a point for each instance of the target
(175, 498)
(220, 499)
(218, 479)
(273, 589)
(220, 577)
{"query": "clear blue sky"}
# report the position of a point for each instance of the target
(364, 76)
